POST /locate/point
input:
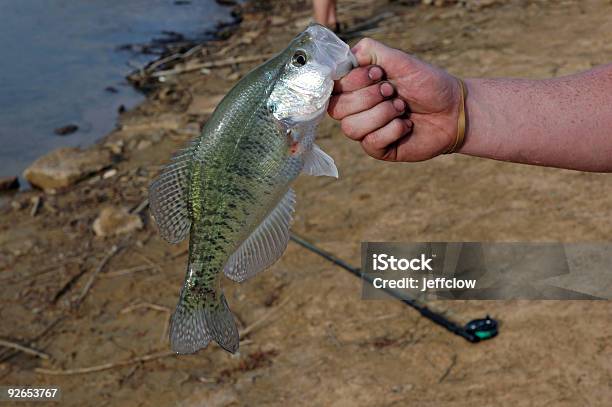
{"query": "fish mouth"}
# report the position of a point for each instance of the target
(332, 51)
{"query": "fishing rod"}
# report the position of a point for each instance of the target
(474, 331)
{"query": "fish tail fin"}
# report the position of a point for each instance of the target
(195, 323)
(222, 326)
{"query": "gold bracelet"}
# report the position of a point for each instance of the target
(461, 123)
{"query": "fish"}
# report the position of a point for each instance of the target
(230, 190)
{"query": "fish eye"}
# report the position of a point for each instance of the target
(299, 58)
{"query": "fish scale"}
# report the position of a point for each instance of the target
(230, 190)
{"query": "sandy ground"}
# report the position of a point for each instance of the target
(319, 343)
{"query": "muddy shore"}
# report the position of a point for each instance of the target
(86, 300)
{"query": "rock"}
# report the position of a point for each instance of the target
(116, 221)
(66, 166)
(66, 130)
(278, 20)
(144, 144)
(110, 173)
(7, 183)
(116, 147)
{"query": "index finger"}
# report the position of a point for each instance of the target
(359, 78)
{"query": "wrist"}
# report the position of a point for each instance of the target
(458, 138)
(478, 117)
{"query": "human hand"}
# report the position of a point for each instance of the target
(398, 107)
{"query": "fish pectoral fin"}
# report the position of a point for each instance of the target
(169, 198)
(317, 162)
(265, 245)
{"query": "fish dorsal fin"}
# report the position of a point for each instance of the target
(265, 245)
(317, 162)
(169, 197)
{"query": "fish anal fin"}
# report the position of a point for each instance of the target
(265, 245)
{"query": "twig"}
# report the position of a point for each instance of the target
(246, 331)
(164, 333)
(179, 55)
(150, 262)
(211, 64)
(162, 61)
(149, 305)
(155, 307)
(106, 366)
(179, 254)
(39, 336)
(129, 270)
(141, 207)
(448, 369)
(114, 250)
(69, 284)
(35, 206)
(24, 349)
(46, 270)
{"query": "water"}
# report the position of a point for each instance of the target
(59, 56)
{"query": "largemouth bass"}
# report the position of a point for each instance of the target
(230, 189)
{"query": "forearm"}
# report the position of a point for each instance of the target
(562, 122)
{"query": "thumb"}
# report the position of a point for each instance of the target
(371, 52)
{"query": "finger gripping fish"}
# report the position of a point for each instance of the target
(230, 189)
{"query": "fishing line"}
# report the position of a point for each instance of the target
(474, 331)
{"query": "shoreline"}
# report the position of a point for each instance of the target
(165, 44)
(64, 167)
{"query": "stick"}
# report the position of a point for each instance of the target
(91, 280)
(246, 331)
(149, 305)
(150, 262)
(156, 308)
(179, 254)
(448, 369)
(24, 349)
(129, 270)
(105, 366)
(69, 284)
(211, 64)
(154, 65)
(141, 207)
(164, 333)
(35, 206)
(48, 328)
(46, 270)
